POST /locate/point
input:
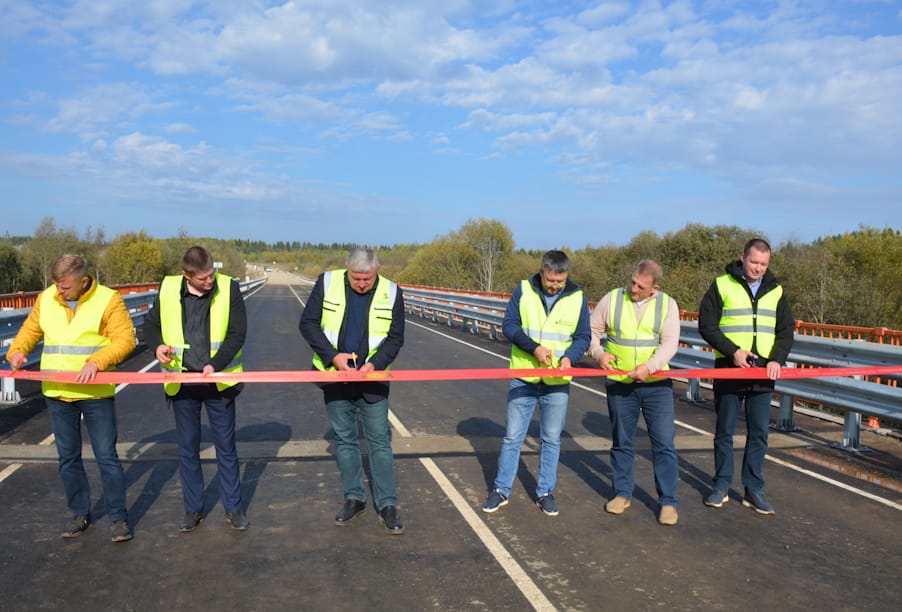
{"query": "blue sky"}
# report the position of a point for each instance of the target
(575, 123)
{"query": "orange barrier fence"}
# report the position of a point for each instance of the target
(26, 299)
(882, 335)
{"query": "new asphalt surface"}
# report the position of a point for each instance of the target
(834, 543)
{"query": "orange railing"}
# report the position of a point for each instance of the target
(823, 330)
(26, 299)
(882, 335)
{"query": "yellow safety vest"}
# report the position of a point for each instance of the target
(334, 304)
(741, 323)
(633, 342)
(174, 334)
(68, 344)
(553, 330)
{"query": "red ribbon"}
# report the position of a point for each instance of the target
(272, 376)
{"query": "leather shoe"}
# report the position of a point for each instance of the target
(238, 520)
(389, 518)
(351, 509)
(190, 521)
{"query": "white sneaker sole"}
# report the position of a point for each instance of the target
(496, 508)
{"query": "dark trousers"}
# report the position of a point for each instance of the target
(186, 406)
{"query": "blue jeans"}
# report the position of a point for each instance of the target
(100, 421)
(521, 403)
(757, 409)
(343, 416)
(186, 407)
(655, 402)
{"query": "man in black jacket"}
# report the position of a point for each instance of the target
(354, 320)
(746, 318)
(198, 324)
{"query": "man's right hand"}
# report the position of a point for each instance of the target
(17, 360)
(543, 355)
(606, 361)
(164, 353)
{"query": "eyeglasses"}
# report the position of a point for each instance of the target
(554, 282)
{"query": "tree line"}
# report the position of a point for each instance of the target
(852, 278)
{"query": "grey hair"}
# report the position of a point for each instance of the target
(556, 261)
(362, 259)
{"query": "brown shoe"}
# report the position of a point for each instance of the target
(617, 505)
(668, 515)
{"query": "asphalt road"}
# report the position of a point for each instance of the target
(834, 544)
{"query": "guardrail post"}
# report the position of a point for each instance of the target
(694, 392)
(8, 393)
(785, 420)
(851, 439)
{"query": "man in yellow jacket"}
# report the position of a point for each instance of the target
(86, 329)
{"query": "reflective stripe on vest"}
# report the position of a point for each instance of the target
(174, 335)
(553, 330)
(68, 343)
(333, 312)
(739, 321)
(633, 342)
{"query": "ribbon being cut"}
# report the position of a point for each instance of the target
(394, 375)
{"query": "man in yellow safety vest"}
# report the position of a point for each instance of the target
(641, 326)
(198, 323)
(86, 329)
(547, 322)
(746, 319)
(354, 320)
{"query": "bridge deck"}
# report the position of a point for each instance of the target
(834, 543)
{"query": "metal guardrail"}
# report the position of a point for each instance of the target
(11, 320)
(851, 396)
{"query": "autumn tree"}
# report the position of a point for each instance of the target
(134, 258)
(444, 262)
(45, 247)
(11, 271)
(489, 243)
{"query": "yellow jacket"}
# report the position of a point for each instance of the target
(116, 324)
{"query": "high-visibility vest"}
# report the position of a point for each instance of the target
(745, 323)
(68, 344)
(333, 312)
(633, 342)
(174, 334)
(553, 330)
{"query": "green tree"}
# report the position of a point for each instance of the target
(489, 243)
(442, 263)
(45, 247)
(134, 258)
(871, 256)
(10, 268)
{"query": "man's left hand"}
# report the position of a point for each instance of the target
(87, 373)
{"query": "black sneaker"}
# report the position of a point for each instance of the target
(190, 521)
(389, 518)
(76, 526)
(119, 531)
(495, 500)
(237, 520)
(758, 503)
(349, 511)
(547, 504)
